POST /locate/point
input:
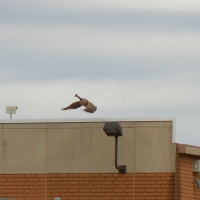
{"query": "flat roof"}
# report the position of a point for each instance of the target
(87, 120)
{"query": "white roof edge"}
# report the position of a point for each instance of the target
(9, 121)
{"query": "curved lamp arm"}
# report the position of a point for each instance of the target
(198, 183)
(121, 168)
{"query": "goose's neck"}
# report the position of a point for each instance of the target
(79, 97)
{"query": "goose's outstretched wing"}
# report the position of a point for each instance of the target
(74, 105)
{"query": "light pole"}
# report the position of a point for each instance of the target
(114, 129)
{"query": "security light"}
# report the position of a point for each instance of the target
(11, 110)
(198, 183)
(196, 165)
(114, 129)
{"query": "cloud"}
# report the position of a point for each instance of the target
(97, 40)
(60, 41)
(59, 52)
(60, 5)
(173, 15)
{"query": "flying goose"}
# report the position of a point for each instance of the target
(83, 102)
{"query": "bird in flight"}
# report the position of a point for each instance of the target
(83, 102)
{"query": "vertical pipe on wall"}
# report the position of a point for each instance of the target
(1, 150)
(47, 128)
(176, 174)
(134, 160)
(116, 152)
(90, 148)
(3, 156)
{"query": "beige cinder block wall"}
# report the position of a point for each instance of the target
(83, 147)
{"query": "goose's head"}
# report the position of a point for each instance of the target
(76, 95)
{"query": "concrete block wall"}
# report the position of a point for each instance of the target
(85, 148)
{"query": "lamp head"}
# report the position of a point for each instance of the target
(112, 129)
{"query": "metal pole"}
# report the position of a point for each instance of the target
(10, 115)
(121, 168)
(116, 148)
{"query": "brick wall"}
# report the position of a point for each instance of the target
(88, 186)
(150, 186)
(187, 189)
(67, 186)
(20, 186)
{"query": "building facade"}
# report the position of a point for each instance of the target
(76, 160)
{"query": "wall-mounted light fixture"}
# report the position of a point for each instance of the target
(114, 129)
(196, 165)
(198, 183)
(11, 110)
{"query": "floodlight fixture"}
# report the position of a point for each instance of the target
(11, 110)
(114, 129)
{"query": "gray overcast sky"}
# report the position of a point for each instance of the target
(130, 58)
